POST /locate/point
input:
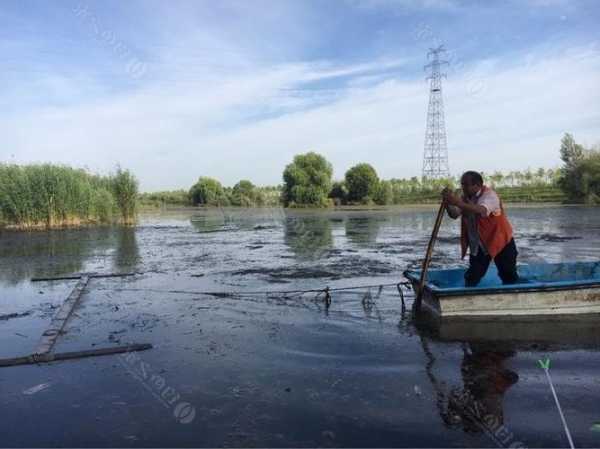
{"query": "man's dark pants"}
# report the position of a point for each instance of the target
(505, 260)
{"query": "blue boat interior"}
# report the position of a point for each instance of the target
(534, 277)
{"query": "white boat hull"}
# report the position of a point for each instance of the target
(523, 303)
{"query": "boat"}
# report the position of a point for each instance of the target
(571, 288)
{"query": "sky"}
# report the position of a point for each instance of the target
(234, 89)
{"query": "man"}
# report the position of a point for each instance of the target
(485, 230)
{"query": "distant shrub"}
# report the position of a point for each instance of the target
(208, 192)
(173, 197)
(362, 183)
(307, 181)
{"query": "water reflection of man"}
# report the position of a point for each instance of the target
(485, 230)
(478, 407)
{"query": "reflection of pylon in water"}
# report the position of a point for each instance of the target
(435, 156)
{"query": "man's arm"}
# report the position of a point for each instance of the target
(473, 208)
(458, 203)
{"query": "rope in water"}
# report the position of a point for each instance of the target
(327, 291)
(225, 294)
(270, 292)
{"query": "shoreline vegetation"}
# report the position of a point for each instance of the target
(308, 183)
(411, 193)
(46, 196)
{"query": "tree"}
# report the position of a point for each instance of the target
(580, 176)
(541, 175)
(208, 192)
(570, 151)
(510, 178)
(414, 184)
(496, 178)
(339, 193)
(384, 193)
(588, 170)
(307, 181)
(244, 194)
(581, 183)
(362, 182)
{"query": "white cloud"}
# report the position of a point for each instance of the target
(249, 123)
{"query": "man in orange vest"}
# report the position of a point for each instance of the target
(485, 230)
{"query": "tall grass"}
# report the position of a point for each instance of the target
(47, 196)
(125, 190)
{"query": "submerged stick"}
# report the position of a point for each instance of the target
(61, 278)
(436, 228)
(79, 276)
(49, 357)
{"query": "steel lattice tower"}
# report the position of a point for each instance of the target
(435, 156)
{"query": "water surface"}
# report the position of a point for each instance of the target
(283, 369)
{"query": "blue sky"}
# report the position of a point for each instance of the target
(233, 89)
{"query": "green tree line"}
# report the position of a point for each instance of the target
(210, 192)
(308, 182)
(46, 195)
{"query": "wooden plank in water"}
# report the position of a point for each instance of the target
(111, 275)
(62, 278)
(59, 320)
(53, 357)
(79, 276)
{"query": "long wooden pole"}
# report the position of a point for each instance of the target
(54, 357)
(436, 228)
(59, 320)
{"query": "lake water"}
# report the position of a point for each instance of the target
(275, 369)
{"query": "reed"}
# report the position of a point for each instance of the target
(49, 196)
(125, 190)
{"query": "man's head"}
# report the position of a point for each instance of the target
(471, 183)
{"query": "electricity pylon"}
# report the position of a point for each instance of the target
(435, 156)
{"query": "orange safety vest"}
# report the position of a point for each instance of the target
(495, 231)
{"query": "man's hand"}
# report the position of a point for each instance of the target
(450, 198)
